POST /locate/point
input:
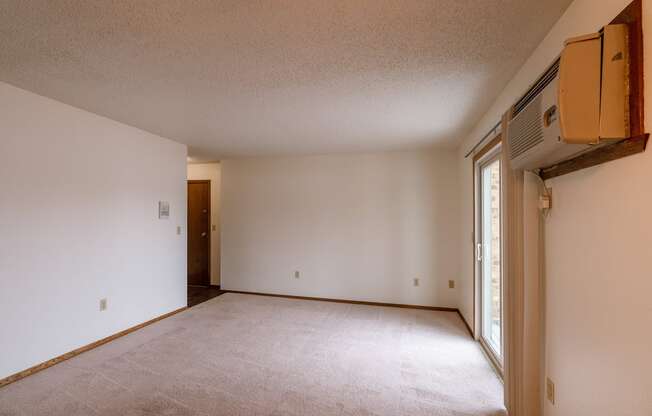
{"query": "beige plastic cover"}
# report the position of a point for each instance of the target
(579, 90)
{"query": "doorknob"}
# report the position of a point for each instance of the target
(203, 234)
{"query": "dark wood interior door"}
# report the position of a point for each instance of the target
(199, 225)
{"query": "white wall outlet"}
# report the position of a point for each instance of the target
(214, 227)
(178, 230)
(416, 281)
(545, 202)
(103, 304)
(550, 390)
(451, 284)
(297, 274)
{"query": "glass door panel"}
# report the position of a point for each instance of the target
(490, 248)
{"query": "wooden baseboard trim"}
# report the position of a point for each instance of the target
(466, 324)
(354, 302)
(39, 367)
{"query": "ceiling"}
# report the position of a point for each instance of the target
(236, 78)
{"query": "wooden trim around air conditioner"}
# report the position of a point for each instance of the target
(633, 17)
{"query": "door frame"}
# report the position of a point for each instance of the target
(520, 365)
(492, 150)
(210, 224)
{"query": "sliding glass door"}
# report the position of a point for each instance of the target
(489, 254)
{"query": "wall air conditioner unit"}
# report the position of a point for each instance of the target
(581, 101)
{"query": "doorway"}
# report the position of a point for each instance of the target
(489, 253)
(199, 226)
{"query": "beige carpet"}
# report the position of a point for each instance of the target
(254, 355)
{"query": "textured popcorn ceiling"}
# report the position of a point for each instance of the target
(243, 78)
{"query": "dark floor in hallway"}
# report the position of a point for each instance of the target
(199, 294)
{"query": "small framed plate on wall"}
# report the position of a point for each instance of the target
(163, 210)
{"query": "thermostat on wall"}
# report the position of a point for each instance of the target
(163, 210)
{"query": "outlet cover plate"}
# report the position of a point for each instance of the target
(550, 391)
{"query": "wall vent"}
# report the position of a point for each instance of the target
(539, 85)
(526, 130)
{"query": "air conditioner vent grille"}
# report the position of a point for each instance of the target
(526, 130)
(536, 89)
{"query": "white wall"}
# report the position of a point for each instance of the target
(79, 222)
(357, 227)
(599, 279)
(212, 172)
(598, 246)
(466, 250)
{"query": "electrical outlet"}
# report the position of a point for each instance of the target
(550, 391)
(178, 230)
(451, 284)
(103, 304)
(297, 274)
(416, 282)
(214, 227)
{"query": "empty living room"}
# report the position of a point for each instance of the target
(325, 208)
